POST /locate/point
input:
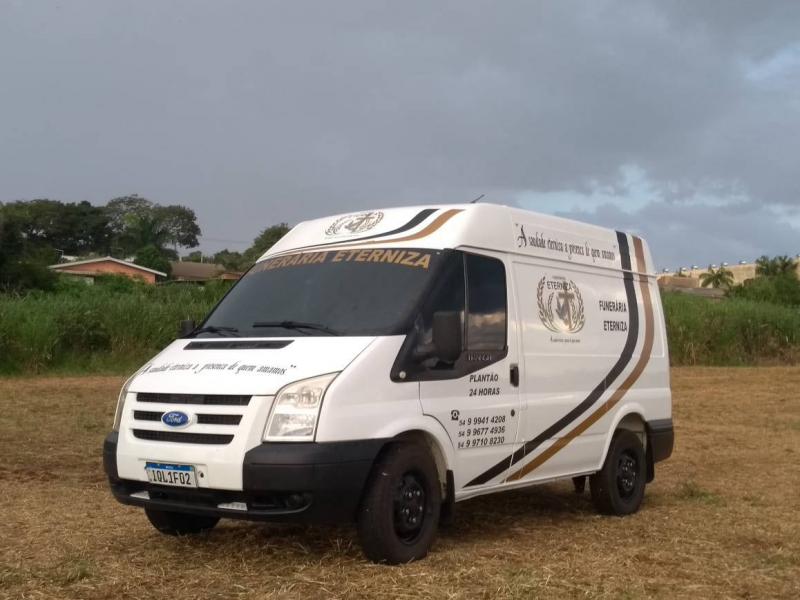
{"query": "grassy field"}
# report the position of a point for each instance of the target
(721, 520)
(732, 332)
(116, 325)
(111, 327)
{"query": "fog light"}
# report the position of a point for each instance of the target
(232, 505)
(297, 500)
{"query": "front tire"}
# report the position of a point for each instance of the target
(618, 488)
(399, 514)
(174, 523)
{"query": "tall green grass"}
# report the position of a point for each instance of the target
(730, 332)
(117, 325)
(112, 326)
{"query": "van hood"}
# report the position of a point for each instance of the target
(244, 366)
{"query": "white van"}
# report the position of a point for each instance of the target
(379, 367)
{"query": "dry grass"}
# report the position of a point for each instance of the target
(722, 518)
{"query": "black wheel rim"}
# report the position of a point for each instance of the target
(409, 507)
(627, 474)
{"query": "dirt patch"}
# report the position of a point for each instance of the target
(722, 518)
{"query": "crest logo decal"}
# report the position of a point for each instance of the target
(357, 223)
(560, 305)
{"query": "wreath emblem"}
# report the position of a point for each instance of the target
(560, 305)
(357, 223)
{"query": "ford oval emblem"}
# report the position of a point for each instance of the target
(175, 418)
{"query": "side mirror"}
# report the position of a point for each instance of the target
(186, 327)
(447, 335)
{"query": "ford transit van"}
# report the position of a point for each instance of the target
(379, 367)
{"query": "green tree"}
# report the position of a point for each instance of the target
(11, 242)
(16, 271)
(779, 289)
(230, 260)
(196, 256)
(137, 223)
(72, 228)
(152, 258)
(779, 265)
(264, 241)
(181, 225)
(717, 278)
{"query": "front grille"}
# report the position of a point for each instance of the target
(182, 437)
(239, 345)
(207, 399)
(219, 419)
(147, 415)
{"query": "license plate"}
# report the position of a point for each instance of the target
(167, 474)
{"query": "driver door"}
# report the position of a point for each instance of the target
(476, 398)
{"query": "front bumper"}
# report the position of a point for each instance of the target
(305, 482)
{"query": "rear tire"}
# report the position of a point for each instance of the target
(618, 488)
(174, 523)
(400, 511)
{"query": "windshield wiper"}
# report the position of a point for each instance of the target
(218, 330)
(297, 325)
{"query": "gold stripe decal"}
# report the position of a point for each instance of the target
(606, 406)
(434, 226)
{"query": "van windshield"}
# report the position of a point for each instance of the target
(333, 292)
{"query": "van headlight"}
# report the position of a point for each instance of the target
(296, 409)
(121, 400)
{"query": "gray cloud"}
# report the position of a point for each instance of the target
(681, 235)
(258, 112)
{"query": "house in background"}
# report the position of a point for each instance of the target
(188, 271)
(90, 268)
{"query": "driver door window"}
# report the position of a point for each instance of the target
(474, 286)
(486, 303)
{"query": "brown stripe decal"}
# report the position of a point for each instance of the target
(606, 406)
(605, 384)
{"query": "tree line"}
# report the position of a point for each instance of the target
(778, 266)
(776, 281)
(240, 261)
(37, 233)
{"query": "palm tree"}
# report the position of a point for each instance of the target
(764, 266)
(772, 267)
(717, 278)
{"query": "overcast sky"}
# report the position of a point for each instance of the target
(676, 120)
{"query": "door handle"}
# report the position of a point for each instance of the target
(515, 375)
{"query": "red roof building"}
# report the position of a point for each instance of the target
(107, 265)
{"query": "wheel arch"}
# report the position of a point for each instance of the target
(425, 438)
(427, 429)
(630, 417)
(431, 434)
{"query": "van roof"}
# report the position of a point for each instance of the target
(481, 226)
